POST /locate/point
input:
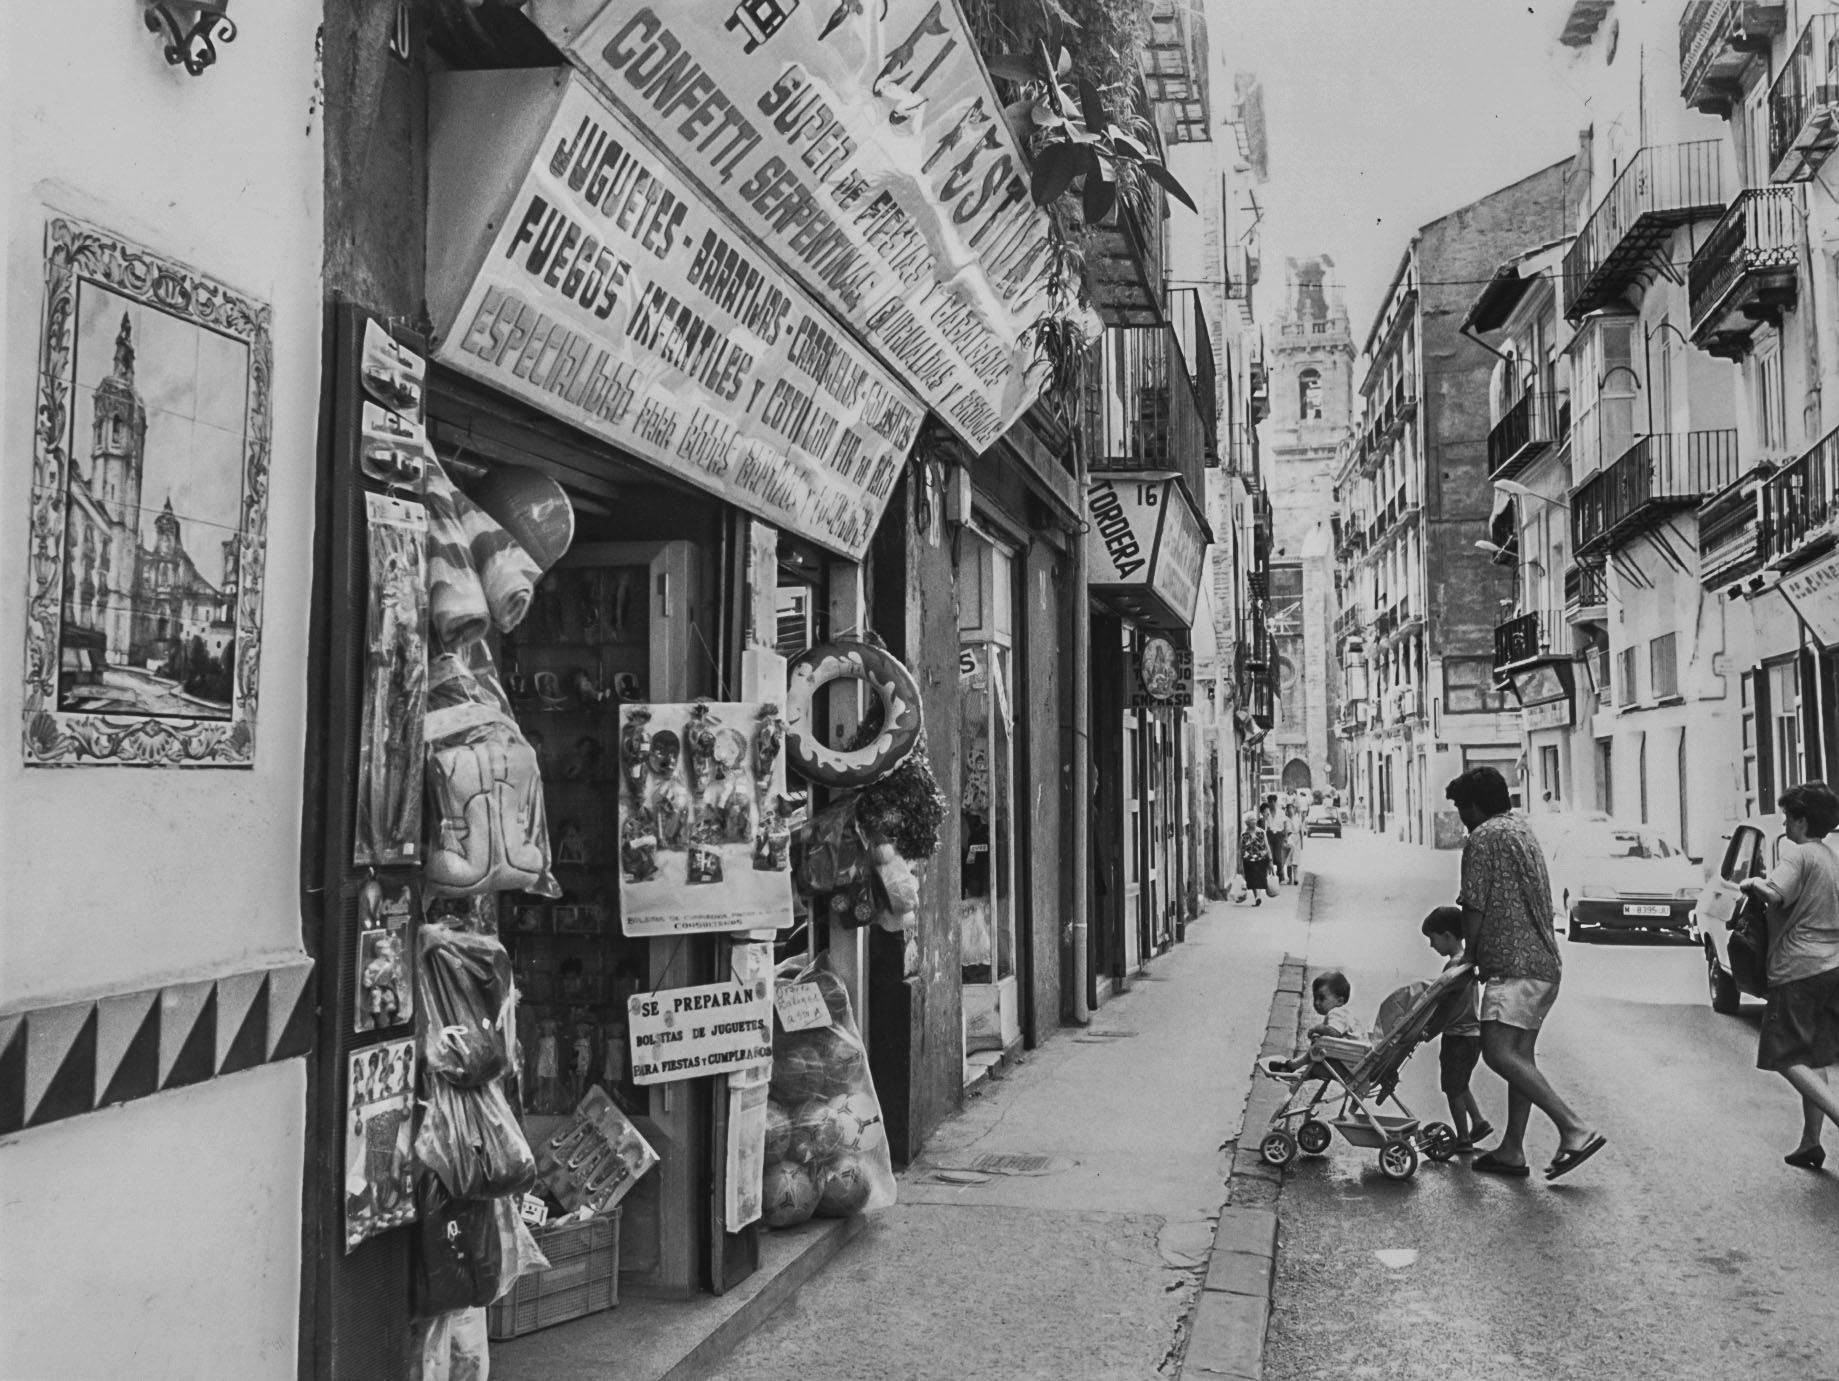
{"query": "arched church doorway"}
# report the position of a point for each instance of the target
(1296, 775)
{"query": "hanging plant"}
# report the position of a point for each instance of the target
(1077, 140)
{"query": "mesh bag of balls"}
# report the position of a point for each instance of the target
(826, 1145)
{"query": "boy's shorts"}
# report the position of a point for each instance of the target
(1457, 1061)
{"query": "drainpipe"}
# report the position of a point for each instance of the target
(1082, 753)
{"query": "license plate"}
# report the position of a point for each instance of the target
(1632, 909)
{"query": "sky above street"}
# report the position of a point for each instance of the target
(1385, 114)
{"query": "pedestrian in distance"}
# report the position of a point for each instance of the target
(1277, 826)
(1255, 858)
(1460, 1051)
(1800, 1028)
(1506, 901)
(1293, 841)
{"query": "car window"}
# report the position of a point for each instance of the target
(1741, 858)
(1606, 841)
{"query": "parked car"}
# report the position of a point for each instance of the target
(1746, 849)
(1610, 874)
(1322, 819)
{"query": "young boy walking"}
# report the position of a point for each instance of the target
(1461, 1049)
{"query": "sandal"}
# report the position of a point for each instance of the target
(1566, 1161)
(1491, 1164)
(1481, 1131)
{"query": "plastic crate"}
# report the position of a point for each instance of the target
(582, 1279)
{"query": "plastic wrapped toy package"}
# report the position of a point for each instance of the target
(463, 985)
(471, 1141)
(826, 1143)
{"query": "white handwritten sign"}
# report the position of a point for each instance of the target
(801, 1006)
(864, 146)
(583, 276)
(680, 1033)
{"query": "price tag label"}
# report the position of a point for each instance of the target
(801, 1006)
(533, 1210)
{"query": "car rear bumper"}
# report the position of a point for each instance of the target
(1335, 830)
(1612, 915)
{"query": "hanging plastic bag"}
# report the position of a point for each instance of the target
(471, 1141)
(458, 1253)
(517, 1247)
(464, 987)
(826, 1141)
(452, 1347)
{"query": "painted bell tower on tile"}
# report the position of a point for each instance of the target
(1311, 354)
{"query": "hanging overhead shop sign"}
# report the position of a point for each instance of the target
(1813, 594)
(1145, 546)
(864, 147)
(570, 267)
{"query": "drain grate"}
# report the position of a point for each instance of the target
(1012, 1164)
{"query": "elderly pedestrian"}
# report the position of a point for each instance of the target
(1506, 901)
(1255, 858)
(1800, 1029)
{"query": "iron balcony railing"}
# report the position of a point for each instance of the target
(1800, 502)
(1586, 588)
(1804, 103)
(1718, 39)
(1147, 414)
(1526, 638)
(1663, 186)
(1747, 270)
(1656, 476)
(1525, 431)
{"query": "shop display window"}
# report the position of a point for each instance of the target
(987, 893)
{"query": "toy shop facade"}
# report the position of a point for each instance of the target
(690, 621)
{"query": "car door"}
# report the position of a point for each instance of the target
(1723, 900)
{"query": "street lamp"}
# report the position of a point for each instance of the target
(1520, 491)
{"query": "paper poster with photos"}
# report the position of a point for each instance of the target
(704, 827)
(149, 510)
(379, 1164)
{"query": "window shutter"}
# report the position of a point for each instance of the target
(1765, 741)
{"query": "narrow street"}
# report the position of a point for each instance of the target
(1686, 1249)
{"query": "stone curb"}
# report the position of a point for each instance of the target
(1226, 1326)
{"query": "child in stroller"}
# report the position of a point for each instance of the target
(1365, 1079)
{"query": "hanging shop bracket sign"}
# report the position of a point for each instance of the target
(1165, 674)
(570, 268)
(1145, 546)
(865, 148)
(1813, 594)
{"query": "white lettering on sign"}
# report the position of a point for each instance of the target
(864, 147)
(801, 1006)
(615, 297)
(1814, 595)
(681, 1033)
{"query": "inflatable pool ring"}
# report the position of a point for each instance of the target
(894, 688)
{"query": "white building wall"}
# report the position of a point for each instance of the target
(160, 1238)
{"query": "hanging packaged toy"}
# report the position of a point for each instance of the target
(593, 1160)
(463, 980)
(388, 829)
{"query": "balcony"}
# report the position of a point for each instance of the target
(1586, 593)
(1804, 103)
(1539, 636)
(1748, 270)
(1730, 535)
(1799, 504)
(1147, 412)
(1663, 186)
(1718, 39)
(1526, 431)
(1349, 620)
(1656, 477)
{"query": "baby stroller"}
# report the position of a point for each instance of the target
(1365, 1078)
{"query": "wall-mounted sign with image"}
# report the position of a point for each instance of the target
(149, 511)
(1165, 674)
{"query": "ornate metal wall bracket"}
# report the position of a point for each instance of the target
(191, 40)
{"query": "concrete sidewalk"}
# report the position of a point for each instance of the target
(1065, 1224)
(1068, 1223)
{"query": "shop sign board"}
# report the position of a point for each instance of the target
(1165, 675)
(717, 1028)
(584, 276)
(865, 148)
(1814, 595)
(1143, 537)
(1552, 714)
(704, 838)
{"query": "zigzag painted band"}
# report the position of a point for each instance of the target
(63, 1061)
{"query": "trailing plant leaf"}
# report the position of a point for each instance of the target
(1168, 182)
(1092, 106)
(1100, 194)
(1055, 170)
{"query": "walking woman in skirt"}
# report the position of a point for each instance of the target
(1255, 858)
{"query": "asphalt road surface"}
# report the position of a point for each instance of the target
(1685, 1249)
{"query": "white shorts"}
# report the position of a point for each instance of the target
(1521, 1002)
